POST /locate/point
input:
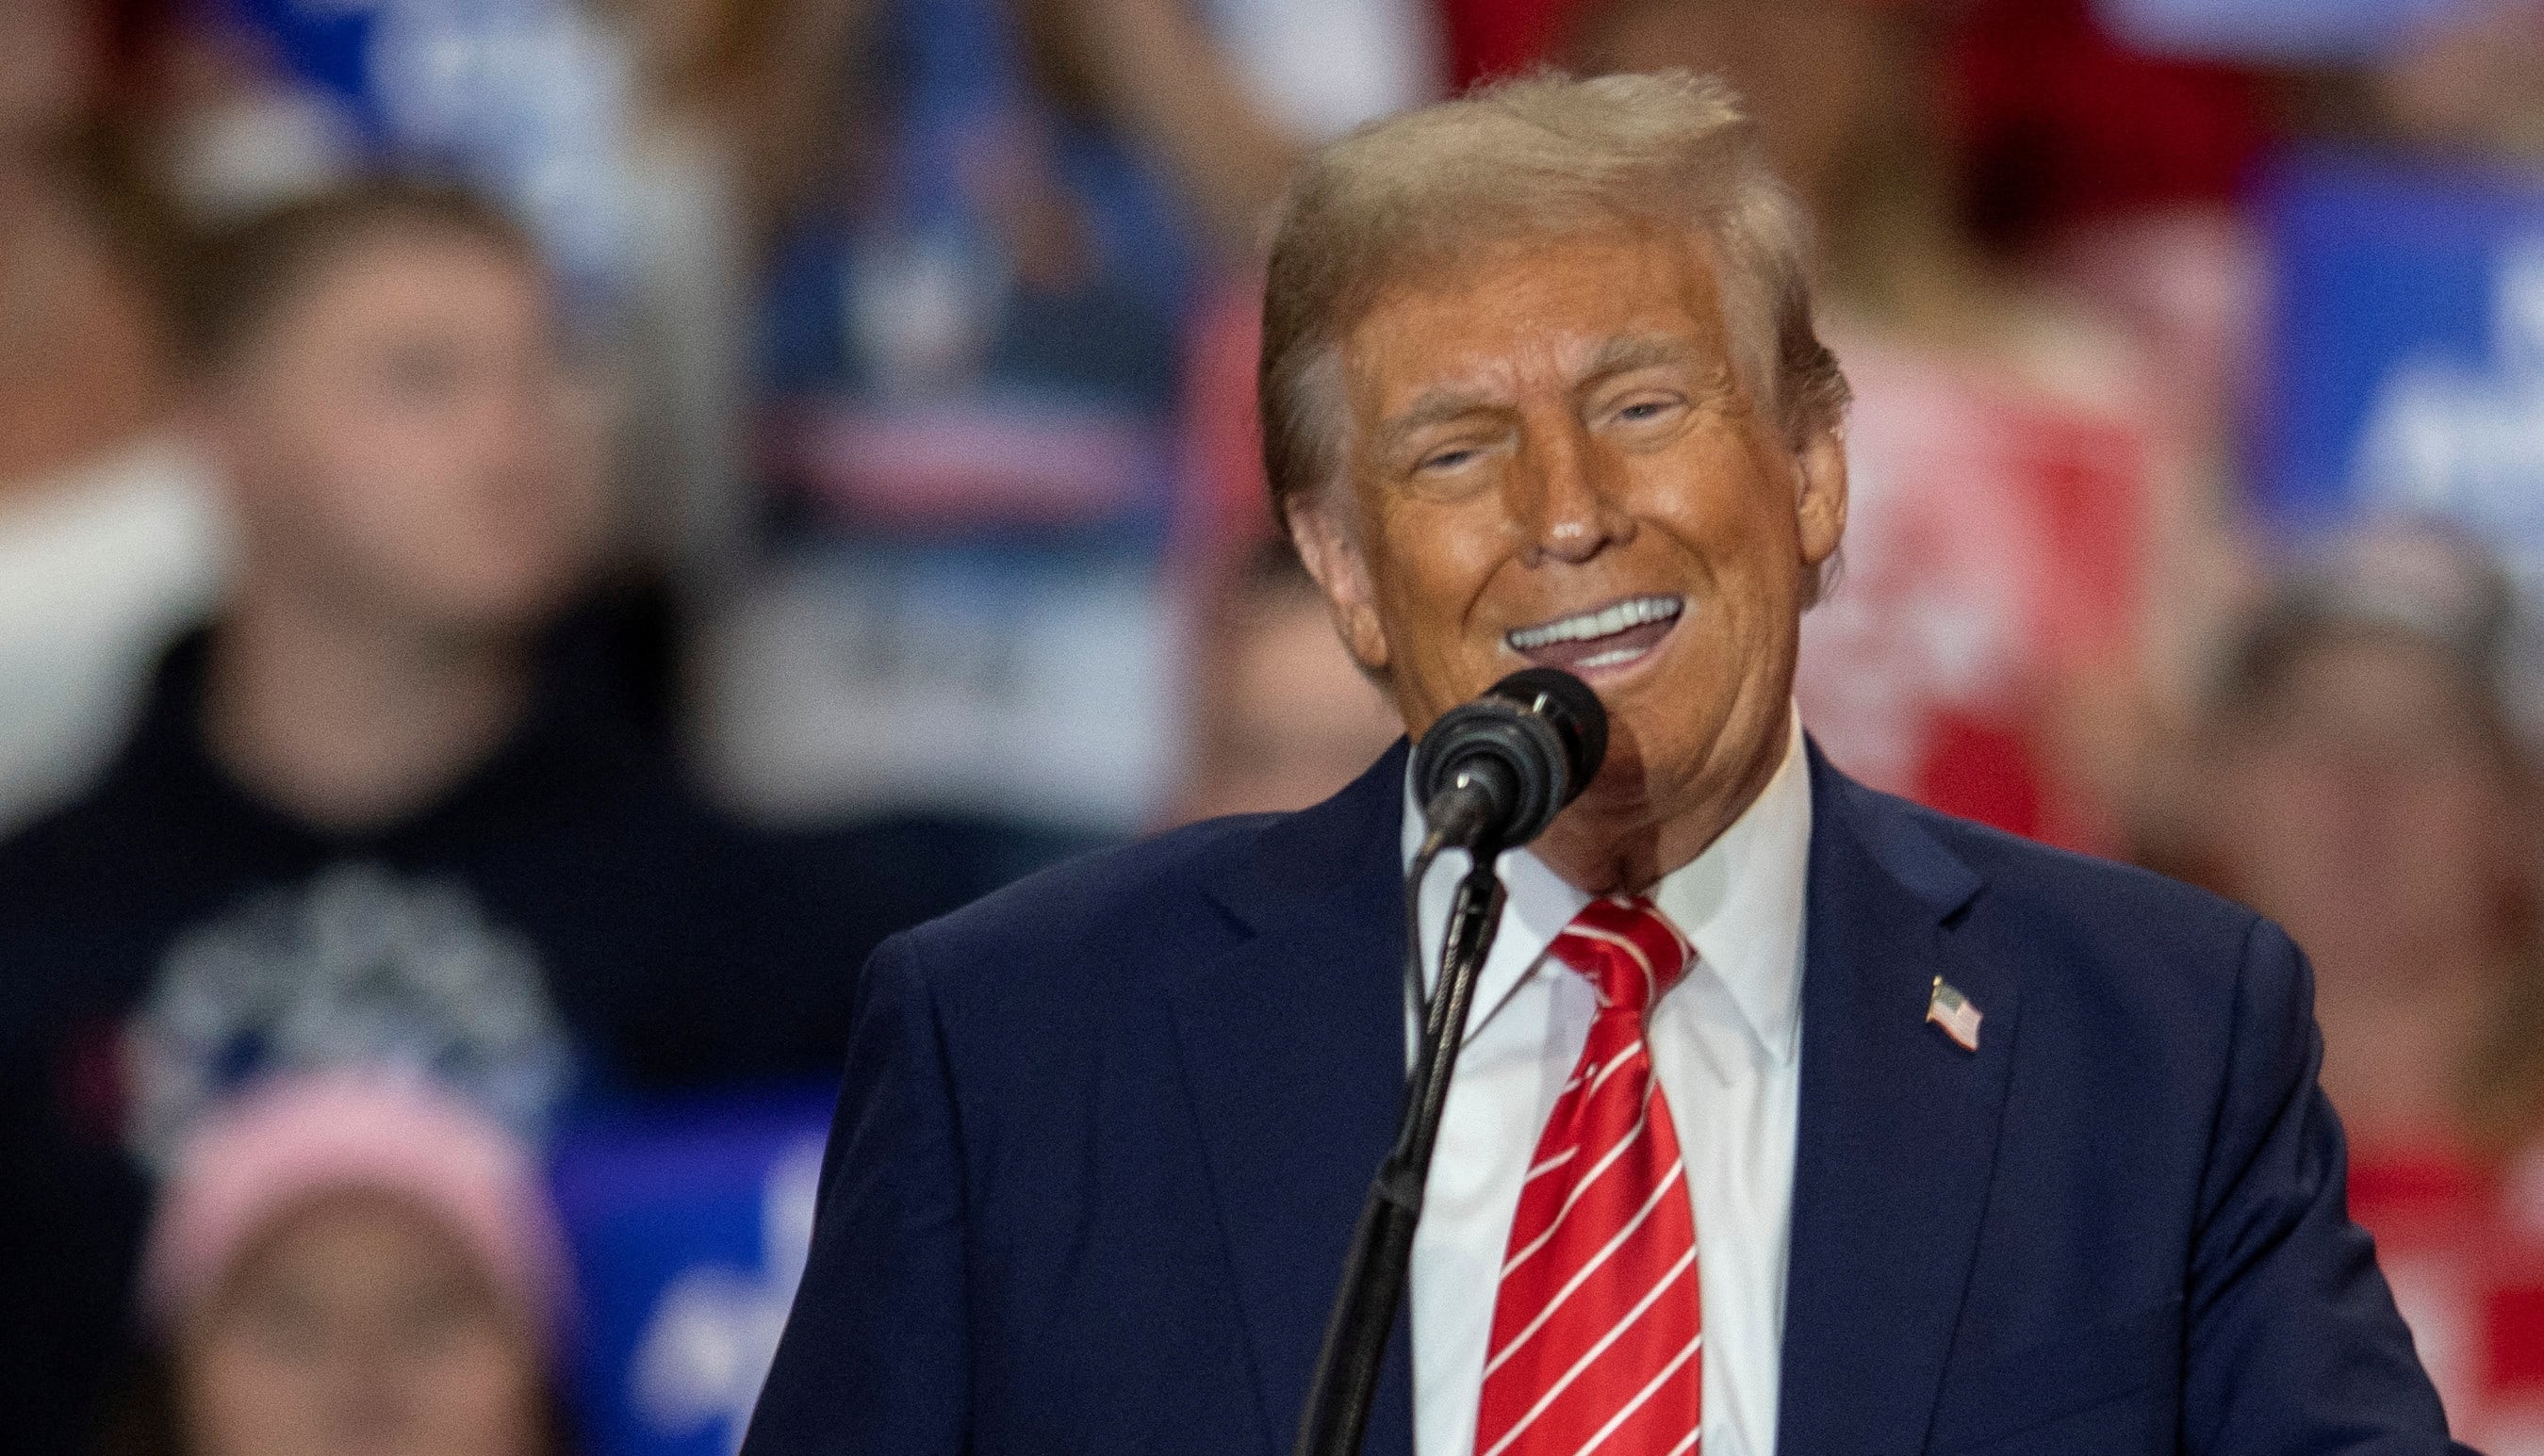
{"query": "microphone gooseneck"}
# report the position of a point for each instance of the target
(1497, 770)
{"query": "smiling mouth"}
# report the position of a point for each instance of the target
(1601, 640)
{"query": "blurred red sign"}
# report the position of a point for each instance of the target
(1992, 560)
(2466, 1262)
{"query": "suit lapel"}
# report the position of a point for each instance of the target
(1898, 1129)
(1294, 1049)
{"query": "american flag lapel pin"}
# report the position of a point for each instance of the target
(1948, 1009)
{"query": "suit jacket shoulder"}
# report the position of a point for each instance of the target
(1099, 1148)
(2155, 967)
(2071, 900)
(1105, 938)
(1049, 933)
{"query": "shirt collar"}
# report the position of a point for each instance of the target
(1739, 902)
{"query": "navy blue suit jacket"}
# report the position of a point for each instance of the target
(1105, 1135)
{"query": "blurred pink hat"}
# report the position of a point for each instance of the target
(282, 1142)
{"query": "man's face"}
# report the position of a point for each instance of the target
(405, 441)
(1553, 461)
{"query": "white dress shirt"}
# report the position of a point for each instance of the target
(1725, 1044)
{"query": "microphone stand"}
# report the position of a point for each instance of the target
(1382, 1250)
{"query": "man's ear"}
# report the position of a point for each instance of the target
(1819, 506)
(1331, 551)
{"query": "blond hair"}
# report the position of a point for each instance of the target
(1543, 156)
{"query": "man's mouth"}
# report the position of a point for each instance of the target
(1602, 638)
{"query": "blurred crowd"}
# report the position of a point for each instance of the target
(533, 533)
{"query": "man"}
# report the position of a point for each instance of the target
(1794, 1119)
(380, 813)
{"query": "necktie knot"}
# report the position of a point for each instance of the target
(1628, 949)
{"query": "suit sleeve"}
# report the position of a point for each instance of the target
(875, 1358)
(2294, 1344)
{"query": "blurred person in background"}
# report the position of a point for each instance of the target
(1284, 719)
(378, 812)
(2469, 82)
(1039, 171)
(643, 142)
(2358, 777)
(345, 1265)
(108, 533)
(977, 349)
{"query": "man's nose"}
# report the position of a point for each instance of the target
(1565, 509)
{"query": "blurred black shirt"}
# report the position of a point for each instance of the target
(568, 925)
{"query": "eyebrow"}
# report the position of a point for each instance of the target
(1433, 407)
(1627, 353)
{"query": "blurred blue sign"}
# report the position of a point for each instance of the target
(2278, 30)
(2407, 350)
(689, 1229)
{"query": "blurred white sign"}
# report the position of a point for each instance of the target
(1045, 693)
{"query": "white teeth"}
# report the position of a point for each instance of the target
(1614, 656)
(1589, 626)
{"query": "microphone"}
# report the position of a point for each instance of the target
(1497, 770)
(1492, 774)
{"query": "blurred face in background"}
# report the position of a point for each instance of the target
(405, 441)
(2363, 803)
(1287, 719)
(358, 1327)
(1553, 461)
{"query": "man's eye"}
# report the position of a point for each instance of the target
(1643, 411)
(1446, 459)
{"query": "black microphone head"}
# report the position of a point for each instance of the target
(1528, 746)
(1576, 713)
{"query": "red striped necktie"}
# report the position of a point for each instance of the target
(1596, 1325)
